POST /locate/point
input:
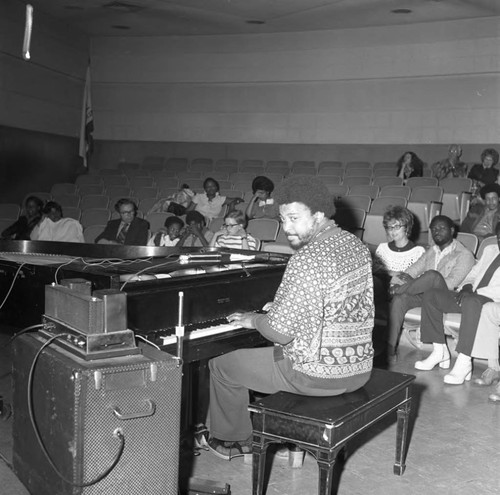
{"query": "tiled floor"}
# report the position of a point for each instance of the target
(454, 447)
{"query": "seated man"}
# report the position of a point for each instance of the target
(128, 229)
(486, 346)
(450, 166)
(483, 218)
(54, 227)
(482, 285)
(444, 265)
(321, 321)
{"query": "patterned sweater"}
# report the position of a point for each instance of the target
(325, 302)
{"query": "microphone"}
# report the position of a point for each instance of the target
(27, 32)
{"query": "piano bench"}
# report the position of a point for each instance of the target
(323, 425)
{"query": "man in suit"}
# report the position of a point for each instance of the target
(128, 229)
(482, 285)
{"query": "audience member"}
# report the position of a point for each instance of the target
(409, 165)
(54, 227)
(450, 166)
(233, 234)
(486, 345)
(485, 172)
(195, 233)
(481, 285)
(262, 205)
(444, 265)
(176, 203)
(210, 203)
(21, 229)
(170, 235)
(128, 229)
(483, 218)
(400, 252)
(320, 323)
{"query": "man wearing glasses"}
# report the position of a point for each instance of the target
(128, 229)
(443, 266)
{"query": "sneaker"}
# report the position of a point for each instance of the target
(228, 450)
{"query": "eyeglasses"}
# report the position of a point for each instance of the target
(127, 212)
(229, 225)
(391, 228)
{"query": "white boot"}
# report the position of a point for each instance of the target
(440, 355)
(462, 370)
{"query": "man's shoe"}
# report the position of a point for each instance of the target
(228, 450)
(496, 396)
(488, 377)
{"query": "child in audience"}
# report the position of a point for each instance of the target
(196, 233)
(233, 234)
(262, 205)
(168, 236)
(176, 203)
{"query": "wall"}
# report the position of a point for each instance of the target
(425, 84)
(40, 102)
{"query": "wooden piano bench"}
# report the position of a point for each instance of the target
(323, 425)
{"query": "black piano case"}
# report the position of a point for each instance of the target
(80, 405)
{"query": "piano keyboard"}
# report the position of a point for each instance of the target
(200, 333)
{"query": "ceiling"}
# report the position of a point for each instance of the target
(213, 17)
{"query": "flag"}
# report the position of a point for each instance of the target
(87, 124)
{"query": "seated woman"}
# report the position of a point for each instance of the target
(233, 235)
(262, 205)
(451, 166)
(170, 235)
(394, 256)
(409, 165)
(210, 203)
(399, 252)
(484, 173)
(54, 227)
(196, 233)
(483, 218)
(176, 203)
(21, 229)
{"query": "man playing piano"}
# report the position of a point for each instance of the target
(320, 322)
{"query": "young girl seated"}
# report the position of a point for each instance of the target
(233, 234)
(169, 236)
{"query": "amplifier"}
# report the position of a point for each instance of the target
(82, 407)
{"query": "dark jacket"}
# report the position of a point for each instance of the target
(483, 175)
(21, 229)
(137, 234)
(474, 216)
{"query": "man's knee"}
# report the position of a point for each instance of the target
(433, 278)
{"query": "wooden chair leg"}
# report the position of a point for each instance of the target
(259, 451)
(402, 437)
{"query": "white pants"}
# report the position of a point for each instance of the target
(488, 330)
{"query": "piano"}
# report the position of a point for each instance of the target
(215, 283)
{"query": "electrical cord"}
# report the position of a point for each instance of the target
(12, 285)
(117, 433)
(137, 336)
(24, 330)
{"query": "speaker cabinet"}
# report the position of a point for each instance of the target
(78, 407)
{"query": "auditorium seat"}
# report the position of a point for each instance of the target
(91, 232)
(72, 200)
(189, 175)
(358, 172)
(330, 168)
(145, 192)
(139, 172)
(72, 212)
(115, 180)
(123, 191)
(196, 185)
(95, 216)
(387, 181)
(425, 194)
(421, 182)
(401, 191)
(303, 167)
(374, 232)
(351, 219)
(281, 167)
(254, 164)
(358, 164)
(470, 241)
(202, 165)
(107, 171)
(226, 165)
(353, 181)
(176, 164)
(216, 224)
(385, 172)
(167, 182)
(379, 205)
(145, 204)
(43, 195)
(94, 201)
(9, 211)
(63, 188)
(126, 167)
(388, 165)
(337, 191)
(85, 189)
(354, 201)
(330, 179)
(364, 190)
(141, 181)
(153, 162)
(88, 179)
(232, 193)
(265, 229)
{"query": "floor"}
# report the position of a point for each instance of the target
(455, 434)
